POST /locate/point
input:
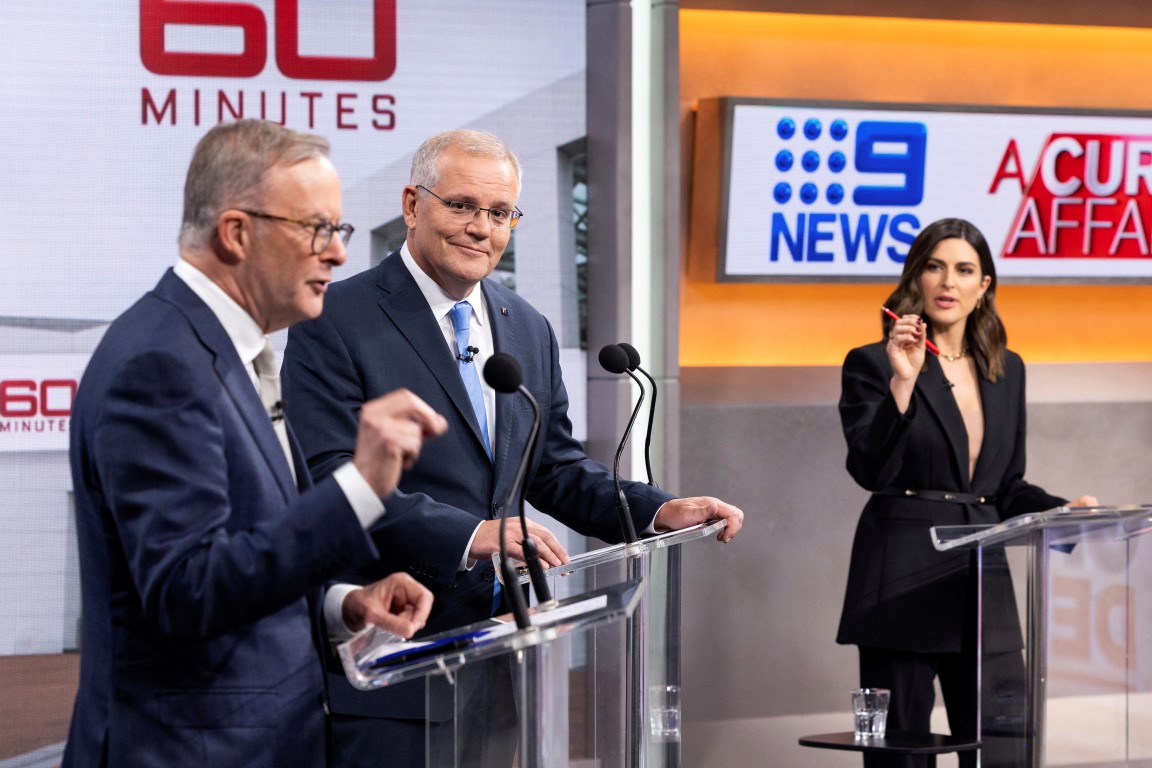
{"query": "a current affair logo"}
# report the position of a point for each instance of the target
(264, 42)
(847, 188)
(1089, 196)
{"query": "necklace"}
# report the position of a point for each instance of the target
(954, 358)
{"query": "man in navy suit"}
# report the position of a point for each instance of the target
(203, 543)
(396, 325)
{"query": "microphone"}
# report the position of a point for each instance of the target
(634, 364)
(503, 374)
(471, 353)
(615, 360)
(277, 411)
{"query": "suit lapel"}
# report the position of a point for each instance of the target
(232, 374)
(299, 461)
(406, 307)
(510, 432)
(937, 394)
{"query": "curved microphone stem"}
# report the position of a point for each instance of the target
(504, 375)
(531, 555)
(511, 580)
(622, 508)
(651, 419)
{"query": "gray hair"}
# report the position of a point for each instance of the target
(472, 142)
(228, 167)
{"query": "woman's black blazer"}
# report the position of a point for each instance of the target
(902, 594)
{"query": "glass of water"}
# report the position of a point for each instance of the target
(870, 710)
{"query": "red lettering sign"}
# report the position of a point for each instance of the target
(26, 398)
(155, 15)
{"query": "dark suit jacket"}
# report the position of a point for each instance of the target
(196, 553)
(902, 594)
(378, 333)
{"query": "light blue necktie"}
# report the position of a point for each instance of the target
(465, 355)
(461, 318)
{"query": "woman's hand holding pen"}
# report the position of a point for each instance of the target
(906, 346)
(906, 350)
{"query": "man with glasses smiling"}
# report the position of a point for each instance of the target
(426, 318)
(203, 542)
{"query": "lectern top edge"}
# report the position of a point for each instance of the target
(1064, 524)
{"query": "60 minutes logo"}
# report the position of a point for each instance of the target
(31, 398)
(156, 14)
(346, 108)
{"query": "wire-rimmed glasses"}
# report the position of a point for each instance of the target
(467, 211)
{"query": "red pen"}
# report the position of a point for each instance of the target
(927, 342)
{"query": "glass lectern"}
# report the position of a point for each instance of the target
(636, 661)
(1083, 585)
(532, 663)
(594, 683)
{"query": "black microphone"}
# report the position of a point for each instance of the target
(634, 364)
(503, 374)
(471, 353)
(615, 360)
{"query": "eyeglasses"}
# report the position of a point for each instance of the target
(468, 211)
(321, 232)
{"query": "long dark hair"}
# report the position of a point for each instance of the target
(984, 332)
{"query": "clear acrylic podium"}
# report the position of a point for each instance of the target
(531, 663)
(1082, 580)
(594, 682)
(634, 665)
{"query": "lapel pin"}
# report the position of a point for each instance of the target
(504, 310)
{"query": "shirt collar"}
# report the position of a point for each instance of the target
(244, 332)
(440, 302)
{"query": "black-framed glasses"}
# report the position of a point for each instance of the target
(467, 211)
(322, 231)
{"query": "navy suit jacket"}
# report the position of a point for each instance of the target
(902, 594)
(197, 554)
(378, 333)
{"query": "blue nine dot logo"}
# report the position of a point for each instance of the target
(810, 160)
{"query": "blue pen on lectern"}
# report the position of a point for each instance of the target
(454, 643)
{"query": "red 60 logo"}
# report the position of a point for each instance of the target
(156, 14)
(27, 398)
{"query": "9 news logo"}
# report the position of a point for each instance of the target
(829, 196)
(155, 15)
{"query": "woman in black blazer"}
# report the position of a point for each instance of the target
(938, 440)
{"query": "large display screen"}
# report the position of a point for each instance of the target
(822, 190)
